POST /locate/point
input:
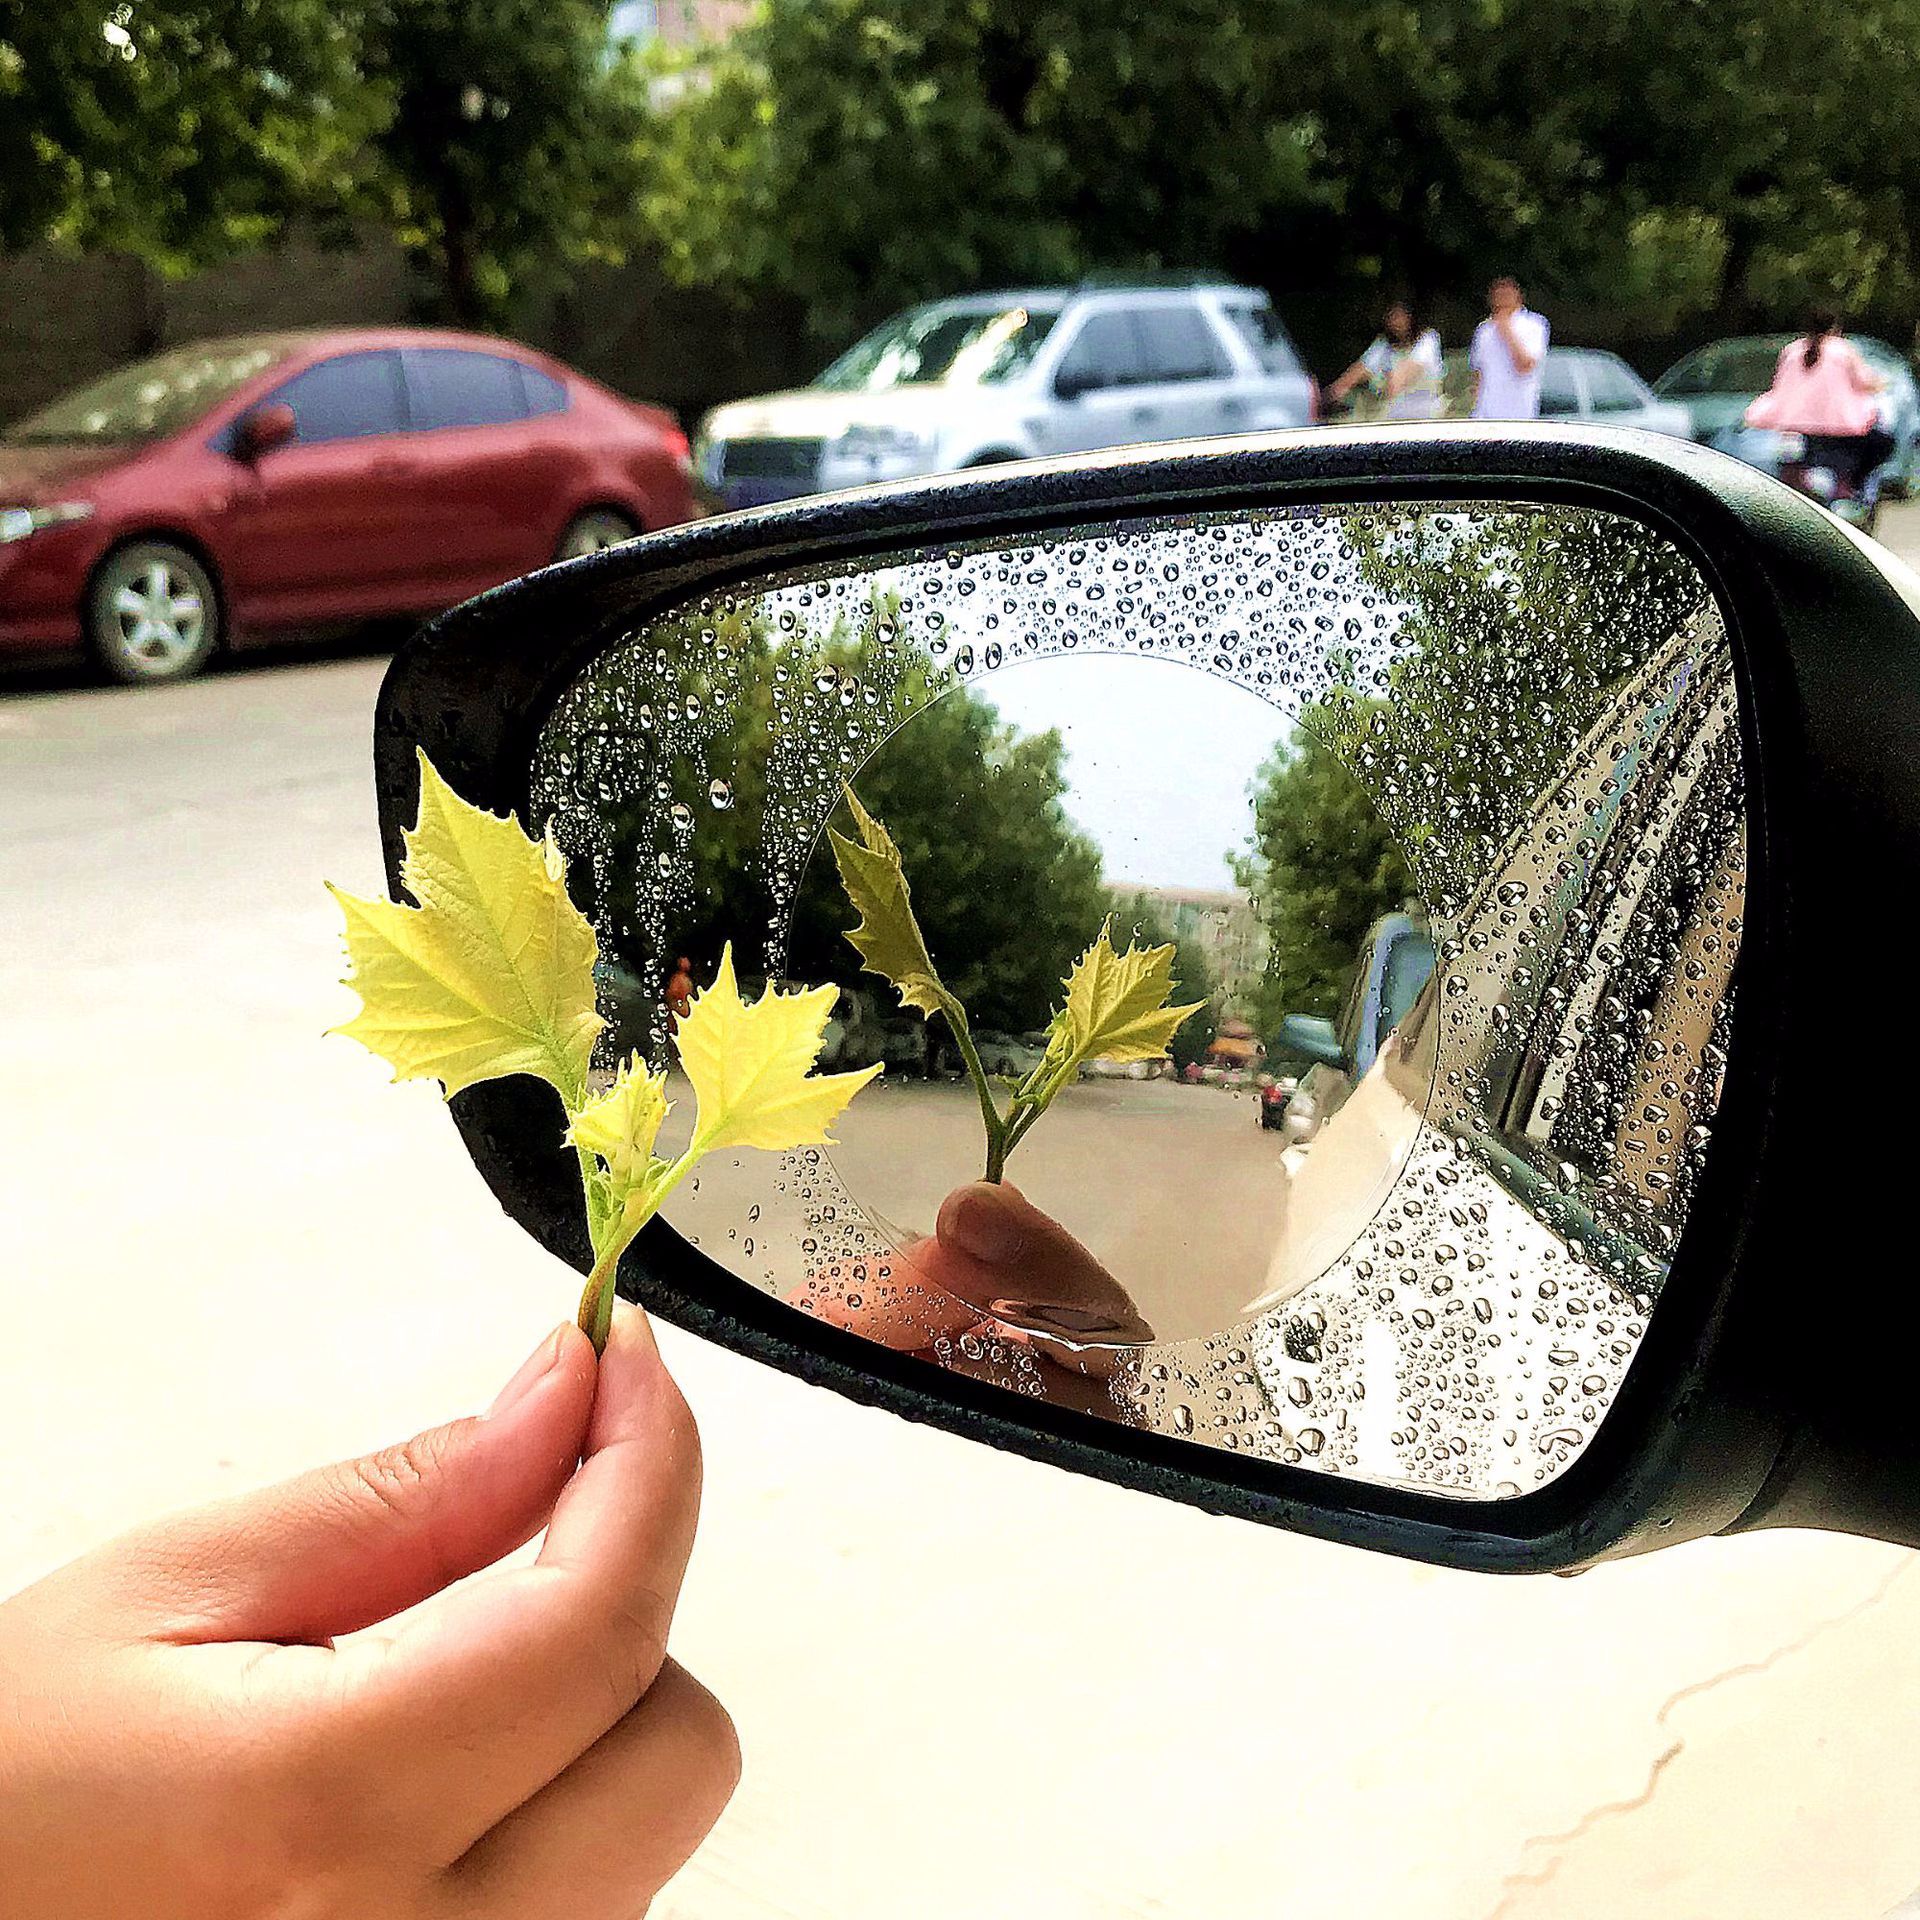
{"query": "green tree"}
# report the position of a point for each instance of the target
(1006, 889)
(1406, 778)
(177, 132)
(507, 156)
(1324, 866)
(864, 153)
(1641, 163)
(1140, 919)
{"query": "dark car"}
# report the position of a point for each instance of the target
(228, 490)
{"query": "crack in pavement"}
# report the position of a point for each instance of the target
(1521, 1881)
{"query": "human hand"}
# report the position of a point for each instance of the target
(995, 1264)
(993, 1248)
(206, 1719)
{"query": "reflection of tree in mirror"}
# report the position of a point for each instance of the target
(1324, 866)
(1517, 624)
(1005, 887)
(1193, 978)
(710, 754)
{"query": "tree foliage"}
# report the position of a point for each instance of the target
(495, 139)
(1404, 782)
(1140, 918)
(863, 153)
(178, 132)
(1650, 161)
(506, 156)
(1007, 891)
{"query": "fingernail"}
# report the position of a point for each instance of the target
(535, 1368)
(979, 1225)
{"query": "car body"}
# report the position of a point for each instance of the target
(1373, 1096)
(1009, 1056)
(1011, 376)
(1395, 961)
(1579, 386)
(414, 468)
(1718, 382)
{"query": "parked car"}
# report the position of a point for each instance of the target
(1717, 383)
(1009, 1056)
(1393, 966)
(225, 491)
(1009, 376)
(1577, 384)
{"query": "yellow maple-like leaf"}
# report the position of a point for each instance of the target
(750, 1066)
(1116, 1002)
(888, 937)
(492, 973)
(621, 1125)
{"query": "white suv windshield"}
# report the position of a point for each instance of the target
(939, 346)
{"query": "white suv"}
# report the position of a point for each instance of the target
(1013, 376)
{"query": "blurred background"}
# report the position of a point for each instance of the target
(694, 199)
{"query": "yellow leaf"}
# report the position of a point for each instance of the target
(888, 937)
(1116, 1002)
(750, 1067)
(621, 1125)
(492, 973)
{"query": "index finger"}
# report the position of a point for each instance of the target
(490, 1690)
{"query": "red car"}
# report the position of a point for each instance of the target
(223, 491)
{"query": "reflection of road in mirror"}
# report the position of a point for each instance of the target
(1439, 809)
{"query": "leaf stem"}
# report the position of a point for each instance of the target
(989, 1112)
(595, 1318)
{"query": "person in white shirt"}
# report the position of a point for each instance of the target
(1509, 349)
(1401, 368)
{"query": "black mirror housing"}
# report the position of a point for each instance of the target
(1729, 1417)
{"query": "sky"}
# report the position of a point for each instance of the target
(1159, 758)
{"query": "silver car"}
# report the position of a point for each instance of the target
(1580, 384)
(1012, 376)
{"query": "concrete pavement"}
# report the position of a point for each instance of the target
(966, 1685)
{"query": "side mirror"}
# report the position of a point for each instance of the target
(1589, 703)
(1312, 1037)
(1070, 383)
(262, 429)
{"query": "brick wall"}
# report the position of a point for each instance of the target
(64, 320)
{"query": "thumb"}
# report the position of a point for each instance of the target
(994, 1247)
(345, 1545)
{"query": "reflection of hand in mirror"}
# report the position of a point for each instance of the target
(997, 1265)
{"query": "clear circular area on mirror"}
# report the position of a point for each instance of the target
(1407, 848)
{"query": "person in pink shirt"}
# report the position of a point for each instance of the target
(1823, 390)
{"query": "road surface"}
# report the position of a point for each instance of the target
(966, 1685)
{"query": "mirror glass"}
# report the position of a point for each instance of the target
(1432, 814)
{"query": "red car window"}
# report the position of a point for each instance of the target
(346, 398)
(448, 387)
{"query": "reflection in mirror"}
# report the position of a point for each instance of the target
(1438, 809)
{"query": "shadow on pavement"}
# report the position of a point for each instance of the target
(71, 673)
